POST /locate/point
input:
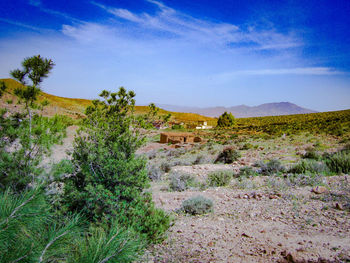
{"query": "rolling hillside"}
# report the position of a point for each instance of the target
(75, 107)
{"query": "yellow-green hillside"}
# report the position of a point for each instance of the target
(76, 107)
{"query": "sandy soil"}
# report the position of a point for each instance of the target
(258, 225)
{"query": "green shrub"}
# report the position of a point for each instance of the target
(311, 154)
(62, 169)
(154, 173)
(228, 155)
(346, 148)
(166, 167)
(99, 245)
(246, 171)
(21, 154)
(226, 120)
(177, 127)
(197, 205)
(220, 178)
(305, 179)
(272, 167)
(29, 232)
(200, 159)
(311, 166)
(109, 180)
(247, 146)
(182, 182)
(339, 162)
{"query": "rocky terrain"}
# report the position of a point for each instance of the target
(255, 218)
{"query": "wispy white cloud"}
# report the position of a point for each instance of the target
(19, 24)
(316, 71)
(187, 27)
(38, 4)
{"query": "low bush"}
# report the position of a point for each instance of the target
(311, 154)
(197, 205)
(219, 178)
(247, 146)
(272, 167)
(166, 167)
(339, 162)
(182, 182)
(154, 172)
(100, 245)
(62, 169)
(228, 155)
(305, 179)
(246, 171)
(200, 159)
(311, 166)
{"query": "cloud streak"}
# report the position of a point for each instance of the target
(19, 24)
(316, 71)
(179, 25)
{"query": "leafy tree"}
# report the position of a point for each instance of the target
(24, 141)
(153, 111)
(226, 120)
(167, 117)
(2, 88)
(109, 180)
(35, 69)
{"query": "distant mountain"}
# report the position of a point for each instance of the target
(243, 111)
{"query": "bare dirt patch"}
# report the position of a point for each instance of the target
(254, 225)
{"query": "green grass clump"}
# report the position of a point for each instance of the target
(197, 205)
(219, 178)
(339, 162)
(272, 167)
(311, 166)
(247, 171)
(311, 154)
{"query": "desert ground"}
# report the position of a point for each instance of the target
(256, 218)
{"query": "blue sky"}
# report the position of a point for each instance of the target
(186, 52)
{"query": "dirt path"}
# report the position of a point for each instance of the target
(60, 151)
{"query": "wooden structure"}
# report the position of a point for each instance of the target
(176, 137)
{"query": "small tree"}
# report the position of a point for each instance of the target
(35, 69)
(109, 180)
(226, 120)
(24, 141)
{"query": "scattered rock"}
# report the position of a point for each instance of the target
(245, 235)
(271, 196)
(339, 206)
(319, 190)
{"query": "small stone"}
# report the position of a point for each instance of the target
(339, 206)
(319, 190)
(245, 235)
(210, 244)
(273, 196)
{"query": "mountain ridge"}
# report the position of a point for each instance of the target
(243, 111)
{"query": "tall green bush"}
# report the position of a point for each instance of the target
(109, 180)
(226, 120)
